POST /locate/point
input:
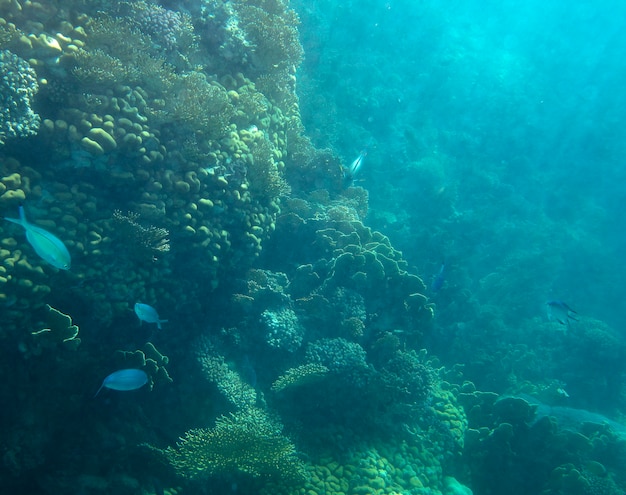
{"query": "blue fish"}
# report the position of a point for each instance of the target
(561, 312)
(128, 379)
(148, 314)
(48, 246)
(438, 279)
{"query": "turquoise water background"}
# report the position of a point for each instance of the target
(496, 139)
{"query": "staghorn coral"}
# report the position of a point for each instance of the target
(18, 86)
(117, 52)
(142, 242)
(271, 29)
(264, 176)
(195, 102)
(230, 383)
(248, 442)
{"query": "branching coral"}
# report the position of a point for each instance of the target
(265, 178)
(228, 382)
(247, 442)
(274, 35)
(300, 375)
(119, 53)
(202, 105)
(142, 242)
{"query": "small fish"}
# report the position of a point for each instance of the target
(438, 279)
(561, 312)
(123, 380)
(148, 314)
(48, 246)
(349, 173)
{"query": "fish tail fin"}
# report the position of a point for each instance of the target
(20, 221)
(96, 395)
(159, 323)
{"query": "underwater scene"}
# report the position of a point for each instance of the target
(274, 247)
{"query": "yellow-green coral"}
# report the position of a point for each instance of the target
(149, 359)
(247, 442)
(59, 330)
(300, 375)
(228, 382)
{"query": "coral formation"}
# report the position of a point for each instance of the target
(18, 86)
(338, 355)
(300, 375)
(230, 384)
(282, 329)
(149, 360)
(59, 330)
(169, 156)
(142, 242)
(248, 442)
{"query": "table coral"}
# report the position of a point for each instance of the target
(248, 442)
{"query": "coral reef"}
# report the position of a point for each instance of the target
(248, 442)
(300, 375)
(18, 87)
(502, 429)
(228, 381)
(142, 242)
(337, 354)
(59, 330)
(282, 329)
(168, 154)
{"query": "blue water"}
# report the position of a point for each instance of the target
(495, 134)
(350, 227)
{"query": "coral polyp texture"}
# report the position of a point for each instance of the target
(18, 86)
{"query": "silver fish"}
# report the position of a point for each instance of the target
(561, 312)
(48, 246)
(350, 172)
(148, 314)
